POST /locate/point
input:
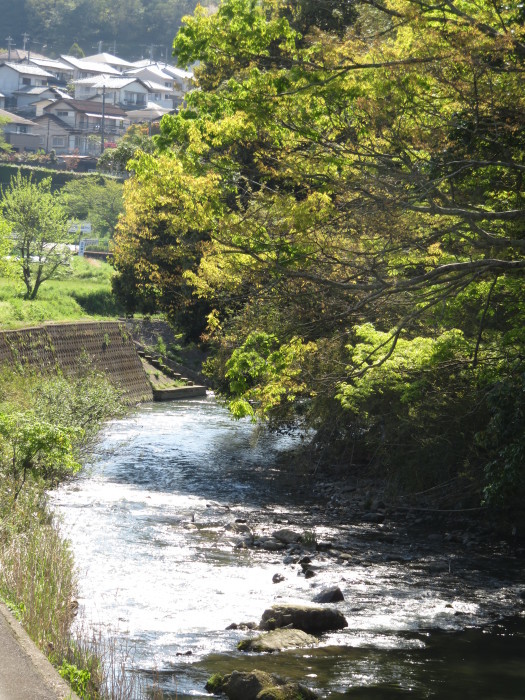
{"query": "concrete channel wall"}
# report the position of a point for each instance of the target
(71, 347)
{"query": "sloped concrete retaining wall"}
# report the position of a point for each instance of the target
(107, 346)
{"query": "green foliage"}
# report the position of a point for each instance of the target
(265, 376)
(78, 679)
(360, 246)
(33, 448)
(95, 199)
(504, 441)
(39, 228)
(135, 140)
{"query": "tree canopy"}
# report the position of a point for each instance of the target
(346, 196)
(133, 27)
(39, 230)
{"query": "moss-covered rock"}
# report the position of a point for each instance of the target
(215, 683)
(257, 685)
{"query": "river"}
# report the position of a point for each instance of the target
(158, 568)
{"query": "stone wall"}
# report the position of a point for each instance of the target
(68, 347)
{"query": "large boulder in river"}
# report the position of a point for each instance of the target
(313, 620)
(257, 685)
(277, 640)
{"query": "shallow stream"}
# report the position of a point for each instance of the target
(147, 525)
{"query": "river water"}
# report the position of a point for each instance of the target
(147, 523)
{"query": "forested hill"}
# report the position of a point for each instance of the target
(137, 26)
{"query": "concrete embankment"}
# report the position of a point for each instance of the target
(25, 673)
(71, 347)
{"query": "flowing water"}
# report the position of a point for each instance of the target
(147, 525)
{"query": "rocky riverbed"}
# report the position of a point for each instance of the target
(185, 532)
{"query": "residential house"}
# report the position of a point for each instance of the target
(19, 132)
(180, 81)
(107, 58)
(2, 100)
(152, 112)
(62, 72)
(87, 69)
(28, 97)
(159, 83)
(80, 126)
(54, 134)
(127, 92)
(18, 55)
(16, 76)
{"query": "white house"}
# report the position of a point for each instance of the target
(63, 72)
(86, 69)
(16, 76)
(160, 85)
(108, 59)
(128, 92)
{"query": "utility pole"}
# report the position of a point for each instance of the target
(103, 120)
(9, 44)
(25, 37)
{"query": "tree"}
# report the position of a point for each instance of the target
(39, 229)
(96, 199)
(4, 146)
(136, 138)
(364, 250)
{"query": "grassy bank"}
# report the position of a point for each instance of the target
(85, 292)
(41, 445)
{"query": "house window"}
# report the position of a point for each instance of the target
(21, 129)
(62, 114)
(58, 141)
(26, 81)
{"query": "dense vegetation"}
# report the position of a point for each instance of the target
(43, 434)
(343, 198)
(133, 27)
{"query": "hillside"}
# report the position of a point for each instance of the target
(133, 28)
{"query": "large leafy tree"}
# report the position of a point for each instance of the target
(39, 230)
(364, 248)
(96, 199)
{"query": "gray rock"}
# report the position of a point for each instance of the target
(239, 528)
(277, 640)
(287, 536)
(329, 595)
(311, 619)
(270, 544)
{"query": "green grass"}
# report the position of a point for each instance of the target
(84, 293)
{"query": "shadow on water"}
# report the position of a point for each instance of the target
(195, 448)
(477, 664)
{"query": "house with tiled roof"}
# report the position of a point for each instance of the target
(80, 126)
